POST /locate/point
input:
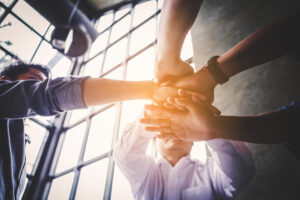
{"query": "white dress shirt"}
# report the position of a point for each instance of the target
(227, 171)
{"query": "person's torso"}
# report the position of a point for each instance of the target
(12, 158)
(187, 180)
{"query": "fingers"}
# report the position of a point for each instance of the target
(164, 135)
(158, 129)
(188, 94)
(185, 102)
(172, 104)
(158, 112)
(156, 122)
(199, 99)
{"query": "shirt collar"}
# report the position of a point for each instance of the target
(183, 161)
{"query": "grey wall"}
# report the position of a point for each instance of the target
(219, 26)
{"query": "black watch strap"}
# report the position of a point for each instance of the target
(214, 70)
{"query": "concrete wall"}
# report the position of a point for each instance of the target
(219, 26)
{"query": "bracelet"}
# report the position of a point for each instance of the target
(214, 70)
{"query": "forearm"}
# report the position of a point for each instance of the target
(176, 19)
(268, 128)
(272, 41)
(98, 91)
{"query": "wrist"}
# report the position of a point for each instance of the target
(149, 89)
(210, 81)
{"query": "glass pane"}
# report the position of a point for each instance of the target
(198, 151)
(131, 111)
(120, 28)
(105, 21)
(31, 17)
(116, 74)
(92, 181)
(6, 2)
(142, 36)
(120, 188)
(187, 48)
(100, 135)
(115, 54)
(45, 54)
(36, 134)
(160, 3)
(48, 35)
(61, 68)
(93, 67)
(99, 44)
(79, 114)
(69, 155)
(22, 47)
(122, 12)
(142, 66)
(143, 11)
(61, 187)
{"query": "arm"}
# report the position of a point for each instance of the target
(271, 41)
(198, 124)
(176, 19)
(268, 128)
(30, 97)
(26, 98)
(231, 166)
(130, 155)
(100, 91)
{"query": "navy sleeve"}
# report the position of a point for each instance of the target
(293, 111)
(19, 99)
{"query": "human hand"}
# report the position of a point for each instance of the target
(201, 82)
(161, 93)
(194, 124)
(171, 70)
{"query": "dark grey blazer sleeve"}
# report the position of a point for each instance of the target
(19, 99)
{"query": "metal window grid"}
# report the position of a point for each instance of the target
(43, 173)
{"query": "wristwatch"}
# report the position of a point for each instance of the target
(214, 70)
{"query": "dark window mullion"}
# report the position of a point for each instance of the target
(38, 46)
(7, 9)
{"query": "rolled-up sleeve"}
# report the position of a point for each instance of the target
(26, 98)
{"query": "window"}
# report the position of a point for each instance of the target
(82, 165)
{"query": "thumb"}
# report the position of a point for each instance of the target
(187, 103)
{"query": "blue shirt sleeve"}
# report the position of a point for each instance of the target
(293, 111)
(26, 98)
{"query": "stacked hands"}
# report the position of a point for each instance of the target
(182, 105)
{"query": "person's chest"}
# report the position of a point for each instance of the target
(188, 181)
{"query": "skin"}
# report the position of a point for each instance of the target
(169, 146)
(114, 90)
(272, 41)
(176, 19)
(192, 124)
(172, 148)
(196, 124)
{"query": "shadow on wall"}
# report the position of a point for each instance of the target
(219, 26)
